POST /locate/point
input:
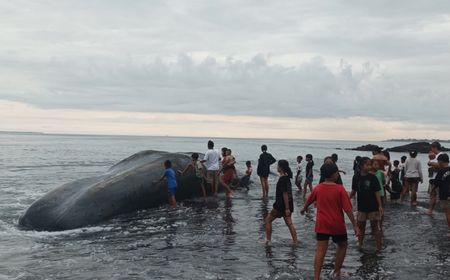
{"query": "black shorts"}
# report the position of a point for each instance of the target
(336, 238)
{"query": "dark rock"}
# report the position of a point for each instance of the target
(367, 148)
(420, 147)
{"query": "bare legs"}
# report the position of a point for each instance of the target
(410, 186)
(227, 187)
(265, 186)
(321, 251)
(405, 190)
(172, 201)
(289, 224)
(308, 183)
(414, 187)
(433, 200)
(269, 220)
(376, 231)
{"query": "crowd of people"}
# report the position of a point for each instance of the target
(373, 179)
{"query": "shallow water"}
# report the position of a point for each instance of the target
(216, 239)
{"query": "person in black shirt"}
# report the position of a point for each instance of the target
(330, 160)
(356, 167)
(284, 204)
(263, 169)
(442, 181)
(366, 187)
(309, 175)
(396, 185)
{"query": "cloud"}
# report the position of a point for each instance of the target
(293, 59)
(255, 87)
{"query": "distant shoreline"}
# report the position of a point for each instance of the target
(412, 140)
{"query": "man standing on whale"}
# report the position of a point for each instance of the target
(211, 161)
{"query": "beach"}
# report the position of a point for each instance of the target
(216, 239)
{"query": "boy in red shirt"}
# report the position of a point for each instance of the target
(332, 201)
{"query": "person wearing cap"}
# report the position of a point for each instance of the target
(332, 202)
(435, 152)
(442, 181)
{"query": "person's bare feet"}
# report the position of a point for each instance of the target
(429, 213)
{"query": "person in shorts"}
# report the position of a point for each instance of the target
(366, 187)
(229, 172)
(169, 176)
(443, 183)
(433, 167)
(199, 170)
(263, 169)
(332, 202)
(284, 204)
(413, 176)
(309, 174)
(211, 161)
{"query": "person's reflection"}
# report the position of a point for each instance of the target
(370, 264)
(292, 256)
(228, 230)
(171, 231)
(264, 212)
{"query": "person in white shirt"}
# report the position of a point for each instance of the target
(413, 176)
(211, 161)
(435, 152)
(299, 176)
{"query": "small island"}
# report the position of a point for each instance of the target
(422, 147)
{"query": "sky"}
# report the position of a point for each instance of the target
(356, 70)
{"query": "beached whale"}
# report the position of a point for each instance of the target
(126, 187)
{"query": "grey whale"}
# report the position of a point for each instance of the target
(126, 187)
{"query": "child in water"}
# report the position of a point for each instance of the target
(332, 202)
(309, 174)
(366, 187)
(245, 180)
(169, 175)
(299, 176)
(199, 169)
(396, 185)
(284, 205)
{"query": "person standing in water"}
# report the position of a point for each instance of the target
(169, 175)
(433, 164)
(332, 202)
(366, 187)
(228, 170)
(264, 162)
(211, 161)
(284, 204)
(413, 176)
(309, 176)
(329, 160)
(199, 170)
(299, 176)
(442, 181)
(396, 185)
(245, 180)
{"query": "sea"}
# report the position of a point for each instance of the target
(213, 239)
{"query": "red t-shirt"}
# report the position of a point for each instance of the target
(332, 201)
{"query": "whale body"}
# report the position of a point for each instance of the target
(128, 186)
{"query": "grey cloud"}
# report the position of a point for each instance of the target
(144, 56)
(235, 87)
